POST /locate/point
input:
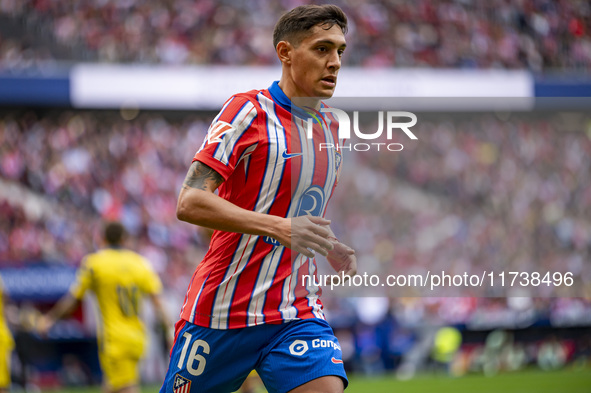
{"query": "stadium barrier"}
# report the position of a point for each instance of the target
(206, 88)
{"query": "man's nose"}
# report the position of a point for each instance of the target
(334, 60)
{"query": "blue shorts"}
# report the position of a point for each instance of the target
(285, 356)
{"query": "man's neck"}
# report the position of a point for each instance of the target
(295, 96)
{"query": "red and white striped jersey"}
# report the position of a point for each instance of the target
(269, 166)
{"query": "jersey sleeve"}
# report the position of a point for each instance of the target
(83, 280)
(231, 136)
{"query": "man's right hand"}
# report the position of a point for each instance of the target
(44, 324)
(305, 235)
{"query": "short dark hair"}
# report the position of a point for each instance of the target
(114, 233)
(295, 23)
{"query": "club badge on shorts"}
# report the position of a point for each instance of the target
(181, 385)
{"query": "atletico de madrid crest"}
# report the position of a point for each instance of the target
(181, 385)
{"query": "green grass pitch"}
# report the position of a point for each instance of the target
(532, 381)
(566, 381)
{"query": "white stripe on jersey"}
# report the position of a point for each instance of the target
(287, 309)
(331, 175)
(241, 123)
(277, 145)
(246, 155)
(246, 162)
(192, 317)
(312, 292)
(187, 296)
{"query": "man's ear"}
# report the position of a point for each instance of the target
(284, 52)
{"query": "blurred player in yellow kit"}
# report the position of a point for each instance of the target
(119, 278)
(6, 346)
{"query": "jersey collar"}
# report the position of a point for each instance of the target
(280, 98)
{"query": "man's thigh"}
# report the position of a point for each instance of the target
(304, 351)
(213, 360)
(327, 384)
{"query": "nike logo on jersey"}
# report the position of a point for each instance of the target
(287, 155)
(336, 361)
(217, 130)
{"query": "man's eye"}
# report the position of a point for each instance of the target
(322, 49)
(341, 52)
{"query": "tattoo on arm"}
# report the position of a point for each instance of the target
(201, 176)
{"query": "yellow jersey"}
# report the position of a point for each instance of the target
(6, 341)
(119, 278)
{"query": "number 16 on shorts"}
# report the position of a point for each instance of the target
(195, 361)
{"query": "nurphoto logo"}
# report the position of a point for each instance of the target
(392, 120)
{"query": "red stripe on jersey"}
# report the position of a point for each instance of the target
(321, 161)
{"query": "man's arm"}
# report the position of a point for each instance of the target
(161, 317)
(63, 307)
(199, 205)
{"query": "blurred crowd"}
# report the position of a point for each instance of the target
(483, 192)
(95, 166)
(492, 191)
(418, 335)
(540, 35)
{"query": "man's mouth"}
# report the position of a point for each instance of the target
(330, 80)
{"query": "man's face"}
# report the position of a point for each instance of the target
(316, 62)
